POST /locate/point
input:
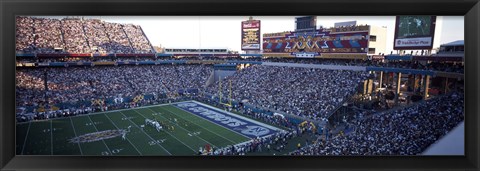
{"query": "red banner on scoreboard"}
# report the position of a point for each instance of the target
(253, 24)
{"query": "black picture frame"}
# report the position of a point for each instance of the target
(10, 8)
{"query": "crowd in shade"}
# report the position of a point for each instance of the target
(406, 131)
(74, 84)
(432, 66)
(74, 35)
(167, 78)
(29, 87)
(307, 92)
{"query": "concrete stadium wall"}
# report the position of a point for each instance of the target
(210, 80)
(218, 74)
(451, 144)
(221, 74)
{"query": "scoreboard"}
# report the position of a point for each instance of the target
(251, 35)
(308, 23)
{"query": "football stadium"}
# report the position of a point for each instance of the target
(87, 86)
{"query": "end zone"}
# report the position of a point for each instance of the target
(239, 124)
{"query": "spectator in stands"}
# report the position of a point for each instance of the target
(308, 92)
(75, 35)
(407, 131)
(77, 85)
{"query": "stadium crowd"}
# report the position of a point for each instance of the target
(432, 66)
(311, 93)
(119, 41)
(405, 131)
(76, 84)
(97, 35)
(306, 92)
(24, 38)
(47, 35)
(75, 35)
(138, 40)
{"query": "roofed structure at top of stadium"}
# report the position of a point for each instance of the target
(455, 43)
(79, 36)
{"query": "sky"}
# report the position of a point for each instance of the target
(224, 31)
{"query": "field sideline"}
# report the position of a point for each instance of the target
(187, 132)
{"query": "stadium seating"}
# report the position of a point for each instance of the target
(404, 131)
(76, 85)
(75, 35)
(312, 93)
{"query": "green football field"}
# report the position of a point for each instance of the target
(189, 133)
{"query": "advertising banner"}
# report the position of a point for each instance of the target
(414, 42)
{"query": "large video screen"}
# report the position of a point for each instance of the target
(414, 32)
(308, 23)
(150, 86)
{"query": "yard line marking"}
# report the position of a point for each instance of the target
(145, 133)
(51, 137)
(169, 111)
(184, 128)
(202, 126)
(93, 123)
(126, 137)
(26, 136)
(214, 123)
(75, 132)
(110, 111)
(169, 134)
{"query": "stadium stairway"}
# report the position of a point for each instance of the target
(85, 36)
(62, 35)
(106, 32)
(210, 80)
(128, 38)
(129, 82)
